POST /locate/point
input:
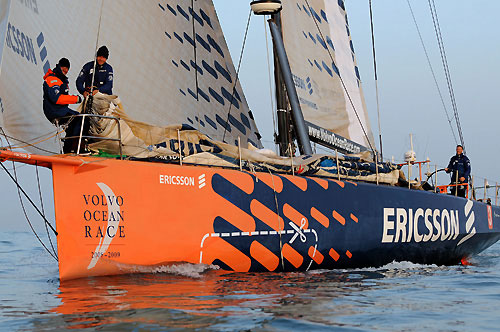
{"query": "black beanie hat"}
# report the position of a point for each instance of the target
(63, 63)
(103, 51)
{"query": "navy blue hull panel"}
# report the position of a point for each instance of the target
(327, 224)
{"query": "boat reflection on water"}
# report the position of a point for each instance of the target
(195, 298)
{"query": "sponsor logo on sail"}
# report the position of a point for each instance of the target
(299, 82)
(329, 138)
(20, 43)
(30, 4)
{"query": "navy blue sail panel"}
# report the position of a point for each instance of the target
(204, 75)
(324, 68)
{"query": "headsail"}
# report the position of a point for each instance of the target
(4, 10)
(313, 36)
(171, 64)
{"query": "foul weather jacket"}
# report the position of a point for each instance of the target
(56, 95)
(461, 164)
(103, 79)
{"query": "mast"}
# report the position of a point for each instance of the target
(273, 7)
(293, 98)
(284, 136)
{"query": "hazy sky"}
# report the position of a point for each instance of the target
(409, 100)
(408, 97)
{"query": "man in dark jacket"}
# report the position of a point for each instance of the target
(56, 98)
(103, 78)
(459, 166)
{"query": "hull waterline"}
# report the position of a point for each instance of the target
(117, 217)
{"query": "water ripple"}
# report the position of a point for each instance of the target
(197, 297)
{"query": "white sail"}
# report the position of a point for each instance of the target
(4, 10)
(171, 64)
(314, 36)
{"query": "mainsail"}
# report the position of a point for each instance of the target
(321, 54)
(170, 59)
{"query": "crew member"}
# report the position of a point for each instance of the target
(56, 99)
(459, 166)
(103, 78)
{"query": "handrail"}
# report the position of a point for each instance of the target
(470, 188)
(119, 139)
(444, 188)
(419, 163)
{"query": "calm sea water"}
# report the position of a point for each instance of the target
(396, 297)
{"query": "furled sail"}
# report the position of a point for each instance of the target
(171, 64)
(321, 54)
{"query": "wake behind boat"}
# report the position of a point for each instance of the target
(203, 192)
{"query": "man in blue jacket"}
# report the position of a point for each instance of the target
(103, 78)
(56, 99)
(459, 166)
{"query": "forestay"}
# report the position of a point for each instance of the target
(313, 36)
(171, 64)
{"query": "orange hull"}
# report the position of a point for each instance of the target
(125, 215)
(116, 217)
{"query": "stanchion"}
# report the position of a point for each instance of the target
(338, 166)
(239, 151)
(179, 143)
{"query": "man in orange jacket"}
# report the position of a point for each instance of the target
(56, 98)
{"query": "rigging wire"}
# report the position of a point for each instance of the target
(95, 57)
(19, 190)
(40, 141)
(343, 85)
(270, 77)
(237, 73)
(432, 71)
(43, 209)
(273, 113)
(24, 142)
(376, 81)
(446, 68)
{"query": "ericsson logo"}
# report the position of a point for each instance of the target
(21, 43)
(469, 225)
(184, 181)
(201, 181)
(309, 85)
